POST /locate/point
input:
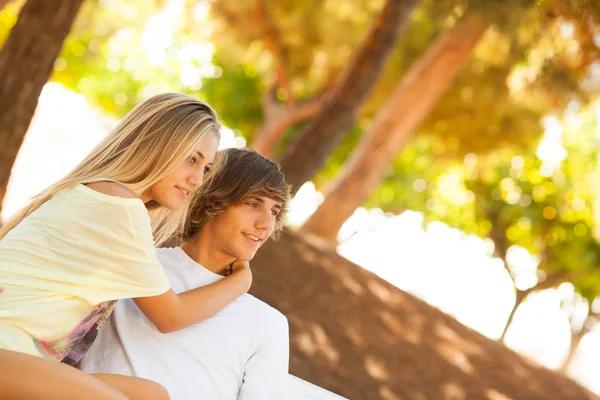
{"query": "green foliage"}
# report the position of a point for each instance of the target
(547, 207)
(490, 106)
(112, 59)
(236, 96)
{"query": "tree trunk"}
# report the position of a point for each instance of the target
(575, 341)
(3, 3)
(26, 62)
(551, 281)
(521, 294)
(309, 151)
(409, 105)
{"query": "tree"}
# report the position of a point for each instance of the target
(407, 107)
(26, 62)
(309, 151)
(498, 235)
(541, 201)
(3, 3)
(412, 102)
(578, 332)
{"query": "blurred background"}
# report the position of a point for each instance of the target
(445, 155)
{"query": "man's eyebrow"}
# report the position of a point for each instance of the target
(258, 199)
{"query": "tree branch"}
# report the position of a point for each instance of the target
(498, 235)
(272, 129)
(551, 281)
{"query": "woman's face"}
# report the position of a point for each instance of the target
(173, 189)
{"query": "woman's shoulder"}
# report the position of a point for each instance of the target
(113, 189)
(106, 192)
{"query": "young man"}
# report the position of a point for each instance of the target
(242, 351)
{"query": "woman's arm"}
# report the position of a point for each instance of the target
(170, 312)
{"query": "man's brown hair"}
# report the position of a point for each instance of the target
(241, 174)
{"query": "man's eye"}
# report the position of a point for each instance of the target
(275, 212)
(252, 204)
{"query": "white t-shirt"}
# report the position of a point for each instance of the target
(242, 352)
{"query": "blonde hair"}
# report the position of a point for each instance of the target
(147, 145)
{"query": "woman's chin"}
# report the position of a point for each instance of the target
(172, 204)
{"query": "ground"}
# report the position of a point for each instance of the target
(355, 334)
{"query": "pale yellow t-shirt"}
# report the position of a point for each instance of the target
(80, 249)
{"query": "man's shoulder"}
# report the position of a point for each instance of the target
(272, 317)
(166, 255)
(165, 251)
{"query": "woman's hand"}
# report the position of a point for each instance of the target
(242, 269)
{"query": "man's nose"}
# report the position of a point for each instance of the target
(266, 221)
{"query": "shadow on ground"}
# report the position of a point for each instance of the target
(355, 334)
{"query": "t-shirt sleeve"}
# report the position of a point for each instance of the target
(131, 268)
(266, 372)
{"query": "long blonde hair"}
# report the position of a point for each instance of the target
(147, 145)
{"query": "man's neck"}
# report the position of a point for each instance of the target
(207, 255)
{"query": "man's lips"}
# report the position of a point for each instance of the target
(254, 238)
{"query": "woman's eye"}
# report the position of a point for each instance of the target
(206, 169)
(192, 160)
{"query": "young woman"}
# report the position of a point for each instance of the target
(89, 240)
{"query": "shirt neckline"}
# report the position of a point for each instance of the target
(189, 262)
(106, 197)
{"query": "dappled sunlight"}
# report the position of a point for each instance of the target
(310, 256)
(314, 341)
(355, 337)
(410, 330)
(465, 144)
(448, 334)
(352, 285)
(376, 368)
(381, 292)
(387, 394)
(399, 252)
(454, 391)
(455, 357)
(457, 273)
(492, 394)
(441, 265)
(452, 348)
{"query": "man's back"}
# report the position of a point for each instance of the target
(239, 353)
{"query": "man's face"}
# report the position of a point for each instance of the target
(241, 229)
